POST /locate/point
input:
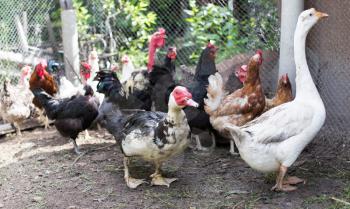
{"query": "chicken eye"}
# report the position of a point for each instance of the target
(310, 14)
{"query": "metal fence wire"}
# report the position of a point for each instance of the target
(238, 27)
(24, 33)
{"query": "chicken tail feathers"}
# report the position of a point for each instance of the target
(215, 93)
(50, 104)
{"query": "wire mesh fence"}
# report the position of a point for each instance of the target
(238, 27)
(24, 34)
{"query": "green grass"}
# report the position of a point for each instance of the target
(332, 202)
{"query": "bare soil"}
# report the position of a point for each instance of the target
(37, 171)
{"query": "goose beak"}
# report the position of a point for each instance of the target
(321, 15)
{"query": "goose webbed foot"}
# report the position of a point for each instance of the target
(158, 179)
(132, 183)
(285, 185)
(293, 180)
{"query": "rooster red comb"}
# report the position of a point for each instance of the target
(259, 51)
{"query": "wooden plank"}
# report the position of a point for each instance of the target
(27, 124)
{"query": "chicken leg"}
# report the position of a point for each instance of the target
(76, 147)
(131, 182)
(18, 128)
(232, 148)
(279, 181)
(199, 146)
(158, 179)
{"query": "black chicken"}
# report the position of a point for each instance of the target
(72, 115)
(198, 119)
(162, 81)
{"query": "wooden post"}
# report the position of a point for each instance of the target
(70, 40)
(290, 11)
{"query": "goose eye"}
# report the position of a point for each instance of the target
(310, 14)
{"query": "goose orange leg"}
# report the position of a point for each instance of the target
(279, 181)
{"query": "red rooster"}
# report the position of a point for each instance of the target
(40, 78)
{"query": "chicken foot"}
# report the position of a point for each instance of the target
(158, 179)
(76, 147)
(280, 186)
(44, 119)
(131, 182)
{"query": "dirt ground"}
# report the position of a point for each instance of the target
(37, 171)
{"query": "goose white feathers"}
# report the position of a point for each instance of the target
(273, 141)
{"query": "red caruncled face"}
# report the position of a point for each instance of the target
(40, 69)
(172, 53)
(183, 97)
(158, 38)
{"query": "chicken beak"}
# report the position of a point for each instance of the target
(321, 15)
(191, 103)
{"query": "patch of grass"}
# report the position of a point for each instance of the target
(342, 202)
(270, 178)
(316, 199)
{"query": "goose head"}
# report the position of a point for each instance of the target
(180, 97)
(309, 18)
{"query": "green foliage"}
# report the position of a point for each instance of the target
(211, 22)
(83, 18)
(216, 23)
(136, 29)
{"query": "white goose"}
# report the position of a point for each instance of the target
(273, 141)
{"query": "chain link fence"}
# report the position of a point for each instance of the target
(24, 34)
(328, 59)
(238, 27)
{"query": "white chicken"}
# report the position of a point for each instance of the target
(127, 68)
(67, 89)
(16, 101)
(273, 141)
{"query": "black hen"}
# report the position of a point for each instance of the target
(162, 81)
(71, 115)
(110, 86)
(112, 111)
(197, 118)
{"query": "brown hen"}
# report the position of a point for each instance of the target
(283, 93)
(239, 107)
